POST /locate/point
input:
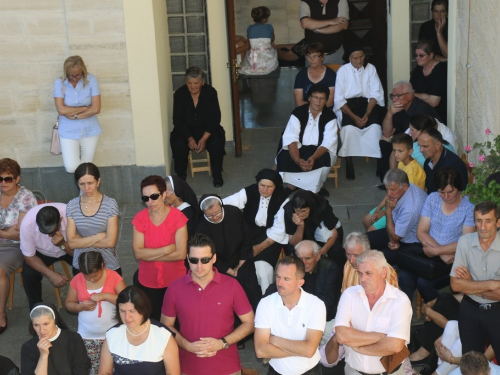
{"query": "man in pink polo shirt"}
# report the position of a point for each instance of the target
(205, 302)
(43, 242)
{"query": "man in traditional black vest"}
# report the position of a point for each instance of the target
(309, 143)
(324, 21)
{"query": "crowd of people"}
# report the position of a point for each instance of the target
(271, 259)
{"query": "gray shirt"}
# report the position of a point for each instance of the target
(482, 265)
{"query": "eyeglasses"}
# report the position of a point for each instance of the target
(320, 98)
(420, 55)
(214, 215)
(397, 96)
(204, 260)
(73, 76)
(7, 180)
(313, 57)
(153, 197)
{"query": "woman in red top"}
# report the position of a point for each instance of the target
(159, 242)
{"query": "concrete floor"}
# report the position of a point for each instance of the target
(350, 201)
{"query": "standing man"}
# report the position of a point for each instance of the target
(324, 21)
(475, 273)
(373, 318)
(205, 302)
(309, 143)
(197, 125)
(43, 242)
(289, 324)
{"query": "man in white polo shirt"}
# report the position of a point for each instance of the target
(43, 242)
(289, 323)
(373, 319)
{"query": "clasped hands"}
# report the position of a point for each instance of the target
(205, 347)
(197, 146)
(305, 165)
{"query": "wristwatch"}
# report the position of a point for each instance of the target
(225, 345)
(62, 247)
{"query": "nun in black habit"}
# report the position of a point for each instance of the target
(260, 202)
(226, 226)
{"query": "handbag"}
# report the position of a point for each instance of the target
(391, 362)
(423, 266)
(55, 144)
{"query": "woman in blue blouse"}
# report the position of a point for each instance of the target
(78, 101)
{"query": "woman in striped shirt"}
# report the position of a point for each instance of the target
(92, 219)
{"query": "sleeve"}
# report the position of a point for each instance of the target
(299, 79)
(343, 9)
(58, 88)
(241, 303)
(28, 246)
(330, 136)
(94, 86)
(322, 353)
(238, 199)
(400, 323)
(180, 219)
(406, 221)
(70, 206)
(317, 318)
(439, 81)
(29, 358)
(168, 308)
(80, 362)
(179, 116)
(74, 281)
(341, 86)
(291, 133)
(277, 232)
(213, 114)
(461, 254)
(139, 222)
(330, 78)
(113, 209)
(262, 315)
(26, 201)
(469, 215)
(427, 208)
(304, 10)
(115, 278)
(344, 309)
(375, 88)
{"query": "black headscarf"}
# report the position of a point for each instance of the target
(182, 189)
(350, 49)
(271, 175)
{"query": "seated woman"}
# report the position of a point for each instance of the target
(359, 107)
(159, 241)
(55, 349)
(262, 58)
(259, 203)
(181, 196)
(138, 344)
(307, 216)
(15, 201)
(429, 78)
(436, 29)
(92, 295)
(446, 216)
(92, 219)
(316, 72)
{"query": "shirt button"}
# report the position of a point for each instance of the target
(199, 289)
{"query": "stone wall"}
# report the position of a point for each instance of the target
(36, 36)
(284, 18)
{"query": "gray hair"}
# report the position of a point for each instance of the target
(359, 238)
(406, 84)
(194, 72)
(311, 244)
(209, 202)
(41, 310)
(375, 256)
(396, 176)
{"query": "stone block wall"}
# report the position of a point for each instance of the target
(36, 36)
(284, 18)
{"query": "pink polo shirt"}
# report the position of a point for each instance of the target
(207, 312)
(31, 238)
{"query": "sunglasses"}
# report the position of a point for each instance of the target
(204, 260)
(153, 197)
(6, 179)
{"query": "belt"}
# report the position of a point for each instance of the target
(380, 373)
(311, 371)
(483, 306)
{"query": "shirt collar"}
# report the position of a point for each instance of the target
(301, 303)
(495, 245)
(189, 278)
(389, 292)
(360, 70)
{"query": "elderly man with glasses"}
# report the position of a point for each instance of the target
(205, 302)
(308, 145)
(397, 119)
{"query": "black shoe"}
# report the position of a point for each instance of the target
(323, 193)
(218, 182)
(349, 168)
(381, 187)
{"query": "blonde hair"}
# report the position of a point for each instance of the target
(72, 62)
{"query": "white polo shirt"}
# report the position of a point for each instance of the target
(309, 313)
(391, 315)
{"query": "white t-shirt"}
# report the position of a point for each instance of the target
(309, 313)
(93, 327)
(391, 315)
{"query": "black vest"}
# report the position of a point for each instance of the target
(253, 201)
(331, 42)
(302, 114)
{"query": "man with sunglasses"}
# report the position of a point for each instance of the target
(397, 119)
(205, 302)
(43, 242)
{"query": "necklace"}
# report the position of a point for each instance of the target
(130, 333)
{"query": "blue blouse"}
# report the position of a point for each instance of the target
(260, 30)
(78, 96)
